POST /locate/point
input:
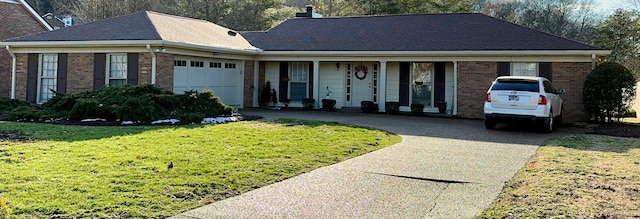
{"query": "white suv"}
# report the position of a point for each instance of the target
(520, 98)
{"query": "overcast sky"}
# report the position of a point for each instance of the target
(608, 6)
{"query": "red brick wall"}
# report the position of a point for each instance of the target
(249, 68)
(21, 76)
(16, 22)
(80, 72)
(164, 70)
(474, 78)
(570, 76)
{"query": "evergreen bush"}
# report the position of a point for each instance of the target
(608, 91)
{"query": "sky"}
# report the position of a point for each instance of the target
(608, 6)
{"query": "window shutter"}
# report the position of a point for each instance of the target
(504, 69)
(405, 80)
(311, 80)
(283, 89)
(32, 77)
(439, 79)
(99, 68)
(544, 70)
(132, 68)
(62, 73)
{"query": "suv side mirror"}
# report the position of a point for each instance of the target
(560, 91)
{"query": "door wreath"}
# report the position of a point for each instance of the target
(361, 72)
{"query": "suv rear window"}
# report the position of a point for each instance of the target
(516, 85)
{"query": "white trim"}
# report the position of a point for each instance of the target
(316, 83)
(107, 76)
(382, 85)
(455, 88)
(13, 71)
(36, 15)
(39, 82)
(438, 53)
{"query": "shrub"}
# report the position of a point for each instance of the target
(204, 102)
(392, 107)
(308, 103)
(329, 105)
(608, 90)
(8, 104)
(265, 94)
(417, 109)
(368, 106)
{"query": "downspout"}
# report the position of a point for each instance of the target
(153, 64)
(455, 88)
(13, 72)
(593, 61)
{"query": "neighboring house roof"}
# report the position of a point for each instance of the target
(421, 32)
(53, 20)
(147, 26)
(19, 19)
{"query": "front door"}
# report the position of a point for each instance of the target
(361, 84)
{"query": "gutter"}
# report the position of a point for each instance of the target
(436, 53)
(13, 72)
(153, 64)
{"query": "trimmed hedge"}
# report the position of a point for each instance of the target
(143, 103)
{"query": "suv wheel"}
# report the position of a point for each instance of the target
(489, 124)
(547, 125)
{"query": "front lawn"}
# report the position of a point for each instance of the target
(579, 176)
(111, 172)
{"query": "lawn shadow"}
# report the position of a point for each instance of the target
(595, 142)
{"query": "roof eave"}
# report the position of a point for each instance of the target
(440, 53)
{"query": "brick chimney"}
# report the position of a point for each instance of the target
(308, 14)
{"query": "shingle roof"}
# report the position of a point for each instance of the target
(423, 32)
(147, 26)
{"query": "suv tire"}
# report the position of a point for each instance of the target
(548, 124)
(489, 124)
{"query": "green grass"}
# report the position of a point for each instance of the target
(579, 176)
(108, 172)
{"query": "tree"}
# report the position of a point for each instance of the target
(573, 19)
(608, 91)
(620, 33)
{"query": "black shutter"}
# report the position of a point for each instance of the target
(283, 89)
(545, 70)
(62, 73)
(132, 68)
(32, 77)
(405, 81)
(439, 79)
(311, 80)
(99, 68)
(504, 69)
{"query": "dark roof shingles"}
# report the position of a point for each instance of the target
(424, 32)
(128, 27)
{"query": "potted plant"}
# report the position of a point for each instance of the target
(308, 103)
(417, 109)
(442, 107)
(329, 105)
(368, 106)
(392, 107)
(285, 103)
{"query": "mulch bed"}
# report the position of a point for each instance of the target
(13, 135)
(618, 130)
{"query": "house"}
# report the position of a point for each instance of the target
(58, 22)
(18, 19)
(426, 58)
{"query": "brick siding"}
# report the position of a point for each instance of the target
(16, 22)
(249, 68)
(80, 72)
(474, 78)
(21, 76)
(164, 70)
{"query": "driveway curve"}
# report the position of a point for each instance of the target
(443, 168)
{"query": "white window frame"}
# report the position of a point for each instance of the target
(303, 67)
(527, 67)
(430, 78)
(110, 58)
(45, 94)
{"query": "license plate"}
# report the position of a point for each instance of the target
(514, 98)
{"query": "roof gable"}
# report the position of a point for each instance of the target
(422, 32)
(147, 26)
(19, 19)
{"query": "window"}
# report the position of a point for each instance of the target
(117, 70)
(197, 64)
(230, 65)
(215, 65)
(422, 78)
(47, 77)
(298, 79)
(525, 69)
(180, 63)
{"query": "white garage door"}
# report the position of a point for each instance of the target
(223, 77)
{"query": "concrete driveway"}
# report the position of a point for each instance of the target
(443, 168)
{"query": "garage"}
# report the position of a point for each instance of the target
(224, 77)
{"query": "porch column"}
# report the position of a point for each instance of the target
(382, 86)
(256, 82)
(316, 83)
(455, 88)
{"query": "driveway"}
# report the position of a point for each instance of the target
(443, 168)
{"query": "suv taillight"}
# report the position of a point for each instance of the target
(542, 100)
(487, 98)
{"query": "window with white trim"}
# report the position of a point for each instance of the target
(47, 78)
(524, 69)
(298, 80)
(117, 70)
